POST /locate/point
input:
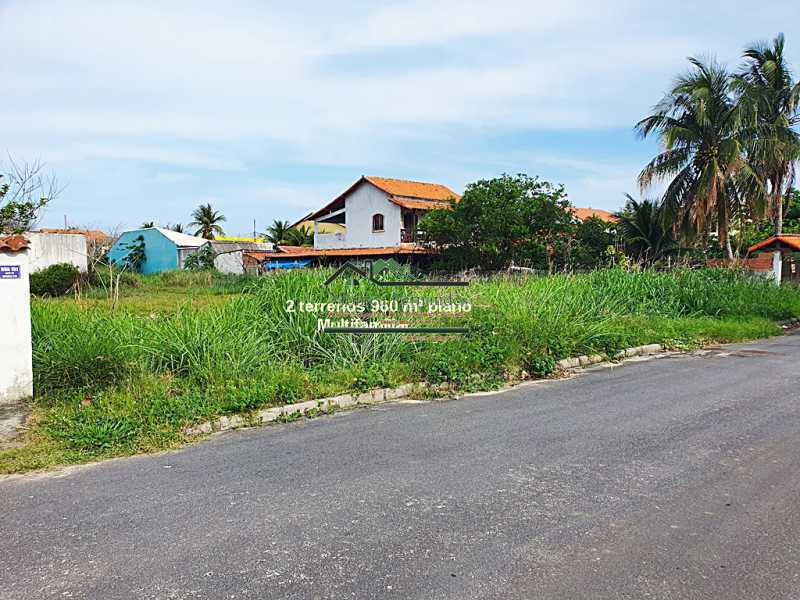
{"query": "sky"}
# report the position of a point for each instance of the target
(144, 110)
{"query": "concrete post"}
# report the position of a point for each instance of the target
(777, 266)
(16, 368)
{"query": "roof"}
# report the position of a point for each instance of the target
(587, 213)
(394, 187)
(413, 189)
(419, 204)
(182, 240)
(777, 242)
(233, 238)
(93, 235)
(303, 252)
(14, 243)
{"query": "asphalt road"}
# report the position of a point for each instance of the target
(672, 478)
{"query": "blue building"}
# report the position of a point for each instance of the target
(164, 250)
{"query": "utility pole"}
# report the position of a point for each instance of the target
(254, 230)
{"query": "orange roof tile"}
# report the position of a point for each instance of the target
(14, 243)
(420, 204)
(93, 235)
(790, 240)
(413, 189)
(586, 213)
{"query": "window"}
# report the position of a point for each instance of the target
(377, 222)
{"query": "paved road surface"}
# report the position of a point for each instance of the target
(672, 478)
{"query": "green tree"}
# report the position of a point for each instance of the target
(148, 224)
(202, 260)
(207, 221)
(698, 126)
(517, 219)
(177, 228)
(277, 232)
(646, 237)
(25, 190)
(770, 104)
(593, 236)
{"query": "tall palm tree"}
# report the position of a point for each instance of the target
(644, 232)
(300, 236)
(698, 127)
(277, 232)
(770, 104)
(207, 220)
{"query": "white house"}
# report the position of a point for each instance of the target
(378, 212)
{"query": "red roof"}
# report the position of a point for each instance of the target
(587, 213)
(395, 187)
(413, 189)
(790, 240)
(419, 204)
(14, 243)
(93, 235)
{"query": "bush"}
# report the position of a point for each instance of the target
(55, 280)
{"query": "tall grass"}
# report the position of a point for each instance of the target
(145, 375)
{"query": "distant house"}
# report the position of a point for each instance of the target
(164, 249)
(783, 251)
(229, 256)
(378, 213)
(587, 213)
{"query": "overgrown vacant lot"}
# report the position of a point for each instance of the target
(181, 347)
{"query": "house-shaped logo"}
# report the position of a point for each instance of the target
(386, 272)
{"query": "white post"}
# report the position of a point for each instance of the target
(777, 266)
(16, 368)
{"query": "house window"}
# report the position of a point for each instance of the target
(377, 222)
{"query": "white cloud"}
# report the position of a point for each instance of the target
(352, 85)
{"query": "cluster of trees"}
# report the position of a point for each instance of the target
(515, 220)
(25, 188)
(730, 147)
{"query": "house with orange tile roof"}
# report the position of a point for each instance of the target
(377, 213)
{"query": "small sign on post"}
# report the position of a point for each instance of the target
(16, 374)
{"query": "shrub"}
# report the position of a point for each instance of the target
(55, 280)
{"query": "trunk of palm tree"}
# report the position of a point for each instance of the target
(778, 205)
(722, 225)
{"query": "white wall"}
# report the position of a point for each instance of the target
(16, 370)
(363, 202)
(329, 240)
(54, 248)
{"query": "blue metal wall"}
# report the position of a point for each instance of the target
(161, 254)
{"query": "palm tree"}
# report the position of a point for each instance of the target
(770, 104)
(300, 236)
(277, 232)
(177, 228)
(703, 153)
(642, 226)
(207, 221)
(148, 224)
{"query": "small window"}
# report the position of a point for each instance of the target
(377, 222)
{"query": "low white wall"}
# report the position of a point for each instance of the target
(329, 240)
(16, 369)
(55, 248)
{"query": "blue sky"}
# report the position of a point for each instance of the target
(147, 109)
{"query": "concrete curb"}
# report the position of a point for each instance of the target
(314, 407)
(303, 409)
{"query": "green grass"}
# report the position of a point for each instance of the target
(181, 348)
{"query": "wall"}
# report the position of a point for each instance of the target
(16, 371)
(160, 252)
(363, 202)
(54, 248)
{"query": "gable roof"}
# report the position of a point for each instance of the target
(413, 189)
(394, 187)
(420, 204)
(777, 241)
(587, 213)
(182, 240)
